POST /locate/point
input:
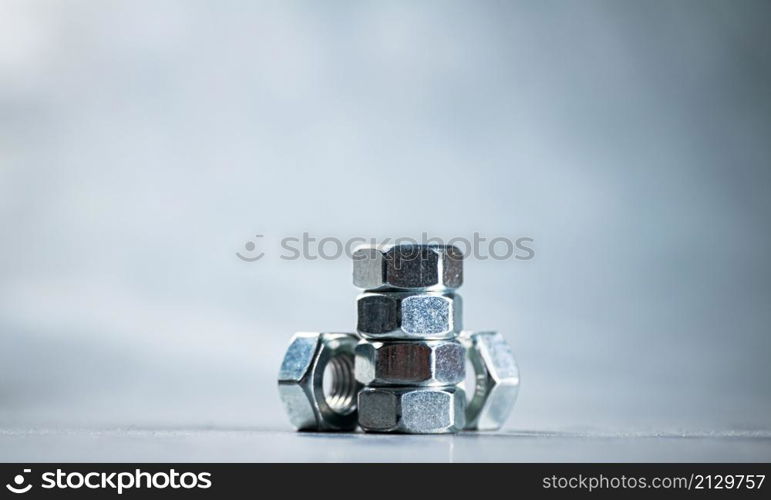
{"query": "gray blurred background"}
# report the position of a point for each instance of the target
(143, 143)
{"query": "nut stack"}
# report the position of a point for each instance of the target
(410, 359)
(409, 368)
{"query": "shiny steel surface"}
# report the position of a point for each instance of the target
(496, 380)
(413, 363)
(408, 267)
(408, 315)
(412, 410)
(301, 382)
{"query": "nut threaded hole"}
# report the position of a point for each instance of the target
(339, 383)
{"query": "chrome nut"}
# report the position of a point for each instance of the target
(412, 363)
(301, 382)
(406, 315)
(412, 410)
(408, 267)
(496, 380)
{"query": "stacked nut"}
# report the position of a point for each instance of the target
(409, 357)
(410, 354)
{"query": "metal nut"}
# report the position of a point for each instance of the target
(497, 380)
(413, 363)
(301, 381)
(408, 267)
(405, 315)
(412, 410)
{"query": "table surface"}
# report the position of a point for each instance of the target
(266, 445)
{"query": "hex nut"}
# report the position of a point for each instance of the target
(301, 381)
(407, 315)
(408, 267)
(412, 363)
(412, 410)
(496, 380)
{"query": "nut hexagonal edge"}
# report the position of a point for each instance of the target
(439, 410)
(301, 381)
(409, 315)
(412, 267)
(412, 363)
(497, 380)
